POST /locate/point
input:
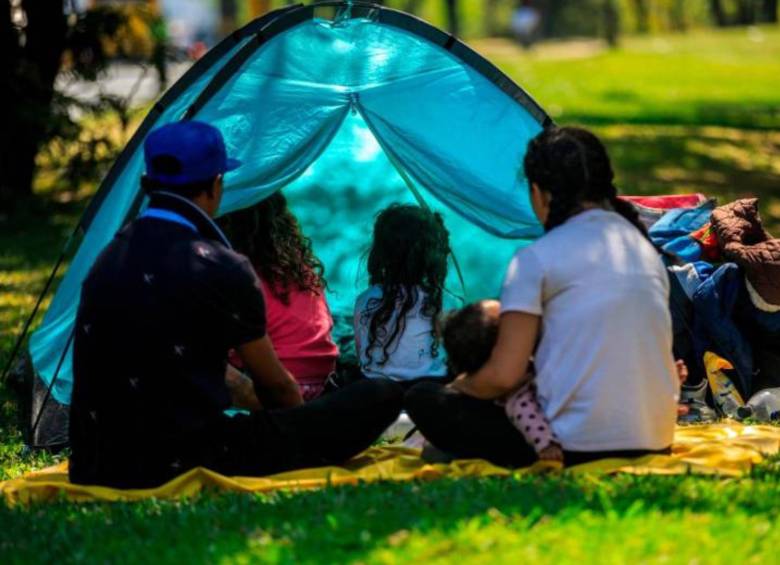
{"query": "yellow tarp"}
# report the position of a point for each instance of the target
(728, 449)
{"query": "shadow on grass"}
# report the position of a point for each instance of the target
(723, 163)
(347, 523)
(752, 116)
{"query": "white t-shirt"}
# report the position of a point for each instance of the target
(605, 373)
(409, 356)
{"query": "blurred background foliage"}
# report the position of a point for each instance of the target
(48, 46)
(566, 18)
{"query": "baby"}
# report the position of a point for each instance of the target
(469, 336)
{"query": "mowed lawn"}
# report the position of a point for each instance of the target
(699, 112)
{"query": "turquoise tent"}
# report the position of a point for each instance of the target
(347, 107)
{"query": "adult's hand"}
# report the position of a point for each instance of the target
(242, 390)
(274, 385)
(506, 369)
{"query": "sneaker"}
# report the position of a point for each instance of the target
(693, 408)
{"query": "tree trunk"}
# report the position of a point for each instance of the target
(550, 12)
(769, 11)
(642, 19)
(9, 56)
(412, 6)
(746, 12)
(718, 15)
(491, 22)
(453, 20)
(228, 11)
(32, 71)
(259, 7)
(677, 16)
(611, 22)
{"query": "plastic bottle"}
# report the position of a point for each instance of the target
(763, 406)
(724, 393)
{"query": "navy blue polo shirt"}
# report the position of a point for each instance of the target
(159, 310)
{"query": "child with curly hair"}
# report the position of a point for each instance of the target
(396, 334)
(299, 322)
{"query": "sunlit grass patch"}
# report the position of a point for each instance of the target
(589, 537)
(724, 163)
(700, 78)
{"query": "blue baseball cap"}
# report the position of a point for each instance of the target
(186, 152)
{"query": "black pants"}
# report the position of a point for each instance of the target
(326, 431)
(468, 427)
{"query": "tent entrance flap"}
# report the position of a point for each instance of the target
(338, 197)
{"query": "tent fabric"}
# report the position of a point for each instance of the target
(283, 96)
(53, 337)
(727, 449)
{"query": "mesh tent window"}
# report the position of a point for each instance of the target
(346, 106)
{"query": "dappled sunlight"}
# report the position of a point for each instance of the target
(723, 163)
(746, 154)
(19, 291)
(587, 537)
(15, 307)
(682, 176)
(680, 113)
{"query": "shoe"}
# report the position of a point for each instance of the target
(693, 408)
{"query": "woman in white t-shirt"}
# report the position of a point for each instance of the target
(589, 301)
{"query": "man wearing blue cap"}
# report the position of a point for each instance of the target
(163, 304)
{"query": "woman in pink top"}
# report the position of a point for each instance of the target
(299, 322)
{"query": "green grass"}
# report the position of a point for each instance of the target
(679, 113)
(533, 519)
(728, 78)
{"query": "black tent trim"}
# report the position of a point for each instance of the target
(261, 30)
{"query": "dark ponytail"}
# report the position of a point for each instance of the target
(629, 212)
(573, 166)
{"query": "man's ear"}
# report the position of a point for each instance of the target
(215, 191)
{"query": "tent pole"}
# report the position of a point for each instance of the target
(50, 388)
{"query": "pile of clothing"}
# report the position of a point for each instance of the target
(725, 276)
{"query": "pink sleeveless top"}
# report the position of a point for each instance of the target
(300, 333)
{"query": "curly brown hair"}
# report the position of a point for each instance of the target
(270, 236)
(408, 255)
